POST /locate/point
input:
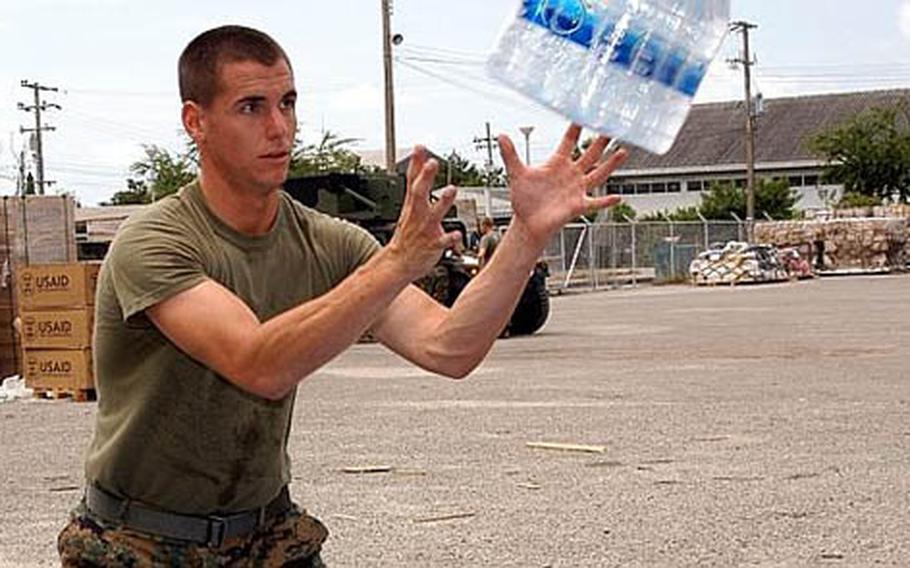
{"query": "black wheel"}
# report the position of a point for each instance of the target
(458, 280)
(534, 307)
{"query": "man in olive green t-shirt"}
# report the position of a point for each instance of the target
(214, 303)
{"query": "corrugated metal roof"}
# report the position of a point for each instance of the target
(714, 133)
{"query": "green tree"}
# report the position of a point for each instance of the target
(158, 175)
(772, 196)
(464, 172)
(136, 193)
(29, 185)
(851, 200)
(622, 213)
(681, 215)
(330, 155)
(870, 153)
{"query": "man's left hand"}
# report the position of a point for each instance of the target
(546, 197)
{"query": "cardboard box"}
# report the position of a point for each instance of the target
(57, 329)
(58, 369)
(41, 286)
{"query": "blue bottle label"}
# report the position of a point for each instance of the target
(634, 48)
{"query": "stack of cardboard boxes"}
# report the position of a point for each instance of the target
(9, 349)
(56, 313)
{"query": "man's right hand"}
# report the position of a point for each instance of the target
(419, 238)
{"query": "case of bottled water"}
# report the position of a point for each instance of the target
(628, 69)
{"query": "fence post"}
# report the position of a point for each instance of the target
(704, 223)
(672, 252)
(739, 226)
(672, 243)
(633, 223)
(592, 261)
(613, 255)
(581, 242)
(562, 249)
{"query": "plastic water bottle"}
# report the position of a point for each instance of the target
(628, 69)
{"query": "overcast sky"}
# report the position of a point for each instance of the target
(115, 63)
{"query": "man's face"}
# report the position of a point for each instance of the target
(247, 132)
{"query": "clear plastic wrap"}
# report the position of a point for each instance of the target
(628, 69)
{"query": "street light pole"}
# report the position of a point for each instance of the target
(390, 152)
(527, 130)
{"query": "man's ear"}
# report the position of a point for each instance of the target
(191, 114)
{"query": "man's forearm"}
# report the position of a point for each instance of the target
(289, 347)
(482, 310)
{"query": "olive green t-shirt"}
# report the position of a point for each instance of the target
(170, 432)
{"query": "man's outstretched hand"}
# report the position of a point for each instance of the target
(419, 238)
(546, 197)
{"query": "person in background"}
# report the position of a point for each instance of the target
(489, 241)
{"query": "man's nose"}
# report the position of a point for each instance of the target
(278, 124)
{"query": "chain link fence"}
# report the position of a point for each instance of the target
(609, 255)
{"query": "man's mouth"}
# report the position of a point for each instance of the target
(276, 155)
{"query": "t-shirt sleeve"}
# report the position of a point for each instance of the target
(149, 262)
(360, 246)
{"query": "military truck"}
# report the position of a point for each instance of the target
(374, 201)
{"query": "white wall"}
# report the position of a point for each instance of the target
(654, 203)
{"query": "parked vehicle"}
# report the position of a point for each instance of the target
(374, 202)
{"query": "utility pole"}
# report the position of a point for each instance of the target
(747, 63)
(489, 143)
(20, 179)
(39, 129)
(527, 130)
(390, 152)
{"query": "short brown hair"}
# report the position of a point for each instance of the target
(201, 61)
(487, 223)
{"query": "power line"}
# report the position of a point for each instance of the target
(445, 50)
(815, 66)
(118, 93)
(871, 81)
(461, 85)
(439, 61)
(131, 129)
(90, 174)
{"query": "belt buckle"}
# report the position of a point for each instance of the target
(216, 532)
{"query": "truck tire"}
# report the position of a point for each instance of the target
(533, 308)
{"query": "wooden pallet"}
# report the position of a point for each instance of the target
(77, 395)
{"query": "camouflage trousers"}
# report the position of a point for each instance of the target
(293, 539)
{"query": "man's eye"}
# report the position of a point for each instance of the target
(288, 104)
(249, 108)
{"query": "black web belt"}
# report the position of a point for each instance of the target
(210, 531)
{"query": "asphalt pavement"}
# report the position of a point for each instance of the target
(748, 426)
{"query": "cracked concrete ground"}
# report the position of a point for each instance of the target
(755, 426)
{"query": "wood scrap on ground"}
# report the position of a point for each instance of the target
(567, 447)
(367, 469)
(449, 517)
